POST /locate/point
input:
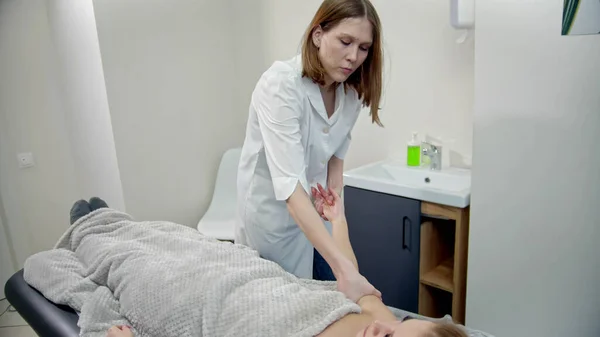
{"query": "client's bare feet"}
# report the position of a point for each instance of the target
(119, 331)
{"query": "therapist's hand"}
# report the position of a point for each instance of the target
(322, 198)
(333, 211)
(354, 285)
(319, 202)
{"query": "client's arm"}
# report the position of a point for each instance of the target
(371, 306)
(303, 212)
(349, 280)
(335, 173)
(334, 211)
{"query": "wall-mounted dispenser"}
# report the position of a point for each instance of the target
(462, 14)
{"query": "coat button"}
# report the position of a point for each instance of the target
(325, 130)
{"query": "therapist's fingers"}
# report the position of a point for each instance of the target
(321, 198)
(321, 209)
(321, 190)
(319, 203)
(328, 197)
(319, 206)
(315, 192)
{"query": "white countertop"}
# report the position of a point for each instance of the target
(450, 186)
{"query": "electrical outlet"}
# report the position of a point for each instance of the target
(25, 160)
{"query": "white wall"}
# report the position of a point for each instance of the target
(80, 75)
(7, 264)
(174, 75)
(32, 119)
(171, 87)
(53, 104)
(535, 228)
(429, 78)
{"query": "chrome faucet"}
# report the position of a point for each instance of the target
(434, 153)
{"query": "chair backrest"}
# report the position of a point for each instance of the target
(225, 192)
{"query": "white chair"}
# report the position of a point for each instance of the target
(219, 219)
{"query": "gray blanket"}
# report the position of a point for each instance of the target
(165, 279)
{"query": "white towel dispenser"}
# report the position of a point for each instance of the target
(462, 14)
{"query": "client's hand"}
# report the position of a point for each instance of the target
(119, 331)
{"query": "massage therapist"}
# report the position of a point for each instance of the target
(301, 115)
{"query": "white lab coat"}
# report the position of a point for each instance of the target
(289, 139)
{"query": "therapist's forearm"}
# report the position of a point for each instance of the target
(309, 221)
(335, 174)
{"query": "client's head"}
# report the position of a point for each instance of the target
(412, 328)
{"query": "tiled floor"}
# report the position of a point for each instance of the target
(23, 331)
(12, 325)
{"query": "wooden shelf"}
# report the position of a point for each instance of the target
(441, 277)
(434, 302)
(443, 261)
(440, 211)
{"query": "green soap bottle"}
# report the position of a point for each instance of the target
(413, 152)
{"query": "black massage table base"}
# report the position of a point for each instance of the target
(45, 318)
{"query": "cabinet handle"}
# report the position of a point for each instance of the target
(406, 223)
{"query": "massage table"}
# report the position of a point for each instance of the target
(51, 320)
(45, 318)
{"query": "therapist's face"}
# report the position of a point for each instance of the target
(343, 48)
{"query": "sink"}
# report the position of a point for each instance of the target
(450, 186)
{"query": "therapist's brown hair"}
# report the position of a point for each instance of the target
(366, 80)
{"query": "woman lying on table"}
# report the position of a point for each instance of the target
(375, 319)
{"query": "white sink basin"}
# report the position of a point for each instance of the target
(450, 186)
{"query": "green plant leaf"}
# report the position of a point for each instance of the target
(569, 12)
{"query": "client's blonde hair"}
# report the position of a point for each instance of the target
(446, 330)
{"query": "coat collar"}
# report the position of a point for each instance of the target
(316, 100)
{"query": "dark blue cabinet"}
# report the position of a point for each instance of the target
(385, 234)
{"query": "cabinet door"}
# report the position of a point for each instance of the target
(385, 235)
